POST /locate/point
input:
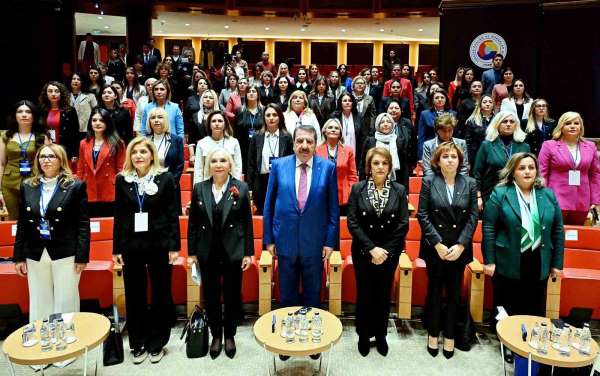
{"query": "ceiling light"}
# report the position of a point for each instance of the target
(107, 27)
(101, 12)
(100, 17)
(187, 24)
(382, 30)
(303, 29)
(226, 26)
(267, 28)
(420, 29)
(343, 30)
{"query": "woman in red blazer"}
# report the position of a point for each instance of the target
(101, 157)
(333, 149)
(570, 166)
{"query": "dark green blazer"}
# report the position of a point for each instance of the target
(491, 158)
(502, 236)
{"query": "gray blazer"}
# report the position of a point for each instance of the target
(83, 106)
(429, 147)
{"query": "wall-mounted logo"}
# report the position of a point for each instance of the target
(484, 47)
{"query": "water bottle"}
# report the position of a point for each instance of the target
(289, 328)
(296, 321)
(576, 338)
(585, 344)
(564, 341)
(45, 339)
(535, 336)
(543, 341)
(317, 325)
(59, 335)
(303, 330)
(555, 336)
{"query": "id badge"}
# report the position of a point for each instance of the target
(251, 132)
(52, 134)
(141, 222)
(44, 229)
(24, 167)
(574, 177)
(271, 159)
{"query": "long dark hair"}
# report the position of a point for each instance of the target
(36, 128)
(110, 133)
(85, 83)
(277, 92)
(338, 113)
(279, 112)
(342, 77)
(316, 82)
(64, 97)
(117, 103)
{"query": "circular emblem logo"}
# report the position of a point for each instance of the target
(484, 47)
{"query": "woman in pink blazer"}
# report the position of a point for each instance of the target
(571, 168)
(333, 149)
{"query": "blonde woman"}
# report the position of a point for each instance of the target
(52, 244)
(569, 165)
(504, 138)
(146, 243)
(299, 113)
(539, 126)
(477, 124)
(197, 129)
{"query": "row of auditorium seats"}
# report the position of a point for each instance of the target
(579, 286)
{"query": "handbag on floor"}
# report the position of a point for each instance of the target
(465, 329)
(113, 344)
(196, 334)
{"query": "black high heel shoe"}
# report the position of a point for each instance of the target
(382, 346)
(432, 351)
(364, 346)
(215, 347)
(230, 347)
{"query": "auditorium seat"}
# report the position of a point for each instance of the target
(186, 182)
(414, 184)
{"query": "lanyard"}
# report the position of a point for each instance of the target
(43, 207)
(24, 148)
(252, 119)
(271, 148)
(574, 159)
(160, 144)
(346, 121)
(333, 157)
(508, 150)
(137, 195)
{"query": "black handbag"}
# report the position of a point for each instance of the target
(465, 329)
(113, 344)
(196, 334)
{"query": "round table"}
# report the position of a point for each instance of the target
(510, 335)
(91, 330)
(275, 343)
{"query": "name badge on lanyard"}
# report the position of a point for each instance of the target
(44, 225)
(575, 174)
(140, 220)
(24, 163)
(271, 159)
(52, 133)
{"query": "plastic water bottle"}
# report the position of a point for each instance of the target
(289, 328)
(585, 344)
(564, 341)
(59, 334)
(535, 336)
(576, 338)
(317, 325)
(45, 339)
(296, 317)
(543, 340)
(303, 335)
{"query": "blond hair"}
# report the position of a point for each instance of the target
(491, 133)
(166, 123)
(507, 174)
(530, 128)
(65, 175)
(566, 117)
(336, 122)
(210, 156)
(155, 167)
(307, 109)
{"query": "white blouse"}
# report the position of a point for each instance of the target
(205, 146)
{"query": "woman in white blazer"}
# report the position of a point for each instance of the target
(299, 113)
(518, 101)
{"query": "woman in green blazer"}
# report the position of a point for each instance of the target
(504, 138)
(523, 237)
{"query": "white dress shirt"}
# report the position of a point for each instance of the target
(205, 146)
(218, 193)
(309, 164)
(348, 132)
(270, 149)
(160, 142)
(292, 121)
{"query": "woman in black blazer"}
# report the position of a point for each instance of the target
(220, 240)
(447, 215)
(146, 237)
(248, 121)
(193, 104)
(378, 222)
(59, 118)
(270, 142)
(53, 234)
(266, 89)
(320, 101)
(538, 126)
(281, 94)
(109, 100)
(169, 146)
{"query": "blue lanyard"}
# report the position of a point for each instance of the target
(24, 148)
(137, 195)
(333, 157)
(252, 119)
(508, 150)
(43, 207)
(576, 156)
(268, 139)
(160, 144)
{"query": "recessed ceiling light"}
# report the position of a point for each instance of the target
(226, 26)
(107, 27)
(100, 17)
(420, 29)
(382, 30)
(343, 30)
(303, 29)
(267, 28)
(187, 24)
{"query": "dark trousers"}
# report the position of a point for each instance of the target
(291, 270)
(373, 289)
(442, 276)
(524, 296)
(149, 325)
(101, 209)
(222, 277)
(258, 196)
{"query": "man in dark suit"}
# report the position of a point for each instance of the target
(150, 61)
(153, 50)
(301, 218)
(493, 75)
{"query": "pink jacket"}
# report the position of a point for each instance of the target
(555, 163)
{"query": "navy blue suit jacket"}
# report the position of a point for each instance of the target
(174, 158)
(306, 232)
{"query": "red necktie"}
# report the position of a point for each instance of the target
(302, 187)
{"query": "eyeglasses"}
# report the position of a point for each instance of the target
(540, 106)
(49, 157)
